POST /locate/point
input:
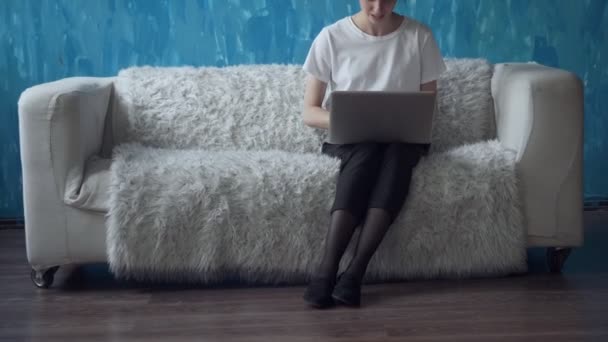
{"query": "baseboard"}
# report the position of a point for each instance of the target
(11, 223)
(594, 203)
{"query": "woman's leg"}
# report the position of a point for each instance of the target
(388, 196)
(358, 171)
(387, 199)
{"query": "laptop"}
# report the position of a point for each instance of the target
(381, 116)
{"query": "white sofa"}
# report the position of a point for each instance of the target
(66, 138)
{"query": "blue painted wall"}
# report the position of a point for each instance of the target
(44, 40)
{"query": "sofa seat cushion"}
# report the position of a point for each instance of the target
(262, 216)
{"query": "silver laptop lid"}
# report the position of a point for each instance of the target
(375, 116)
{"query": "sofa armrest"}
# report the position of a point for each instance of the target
(539, 114)
(61, 125)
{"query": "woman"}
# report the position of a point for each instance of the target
(375, 49)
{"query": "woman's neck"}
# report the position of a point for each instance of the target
(389, 25)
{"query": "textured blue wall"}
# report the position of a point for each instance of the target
(43, 40)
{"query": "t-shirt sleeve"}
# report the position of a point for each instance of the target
(318, 62)
(431, 60)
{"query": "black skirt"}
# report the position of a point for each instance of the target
(374, 175)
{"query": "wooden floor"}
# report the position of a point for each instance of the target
(86, 304)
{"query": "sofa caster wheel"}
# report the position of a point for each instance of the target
(556, 258)
(43, 279)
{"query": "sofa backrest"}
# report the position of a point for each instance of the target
(258, 107)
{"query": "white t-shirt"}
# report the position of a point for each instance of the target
(346, 58)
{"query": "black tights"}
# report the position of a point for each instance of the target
(372, 186)
(342, 227)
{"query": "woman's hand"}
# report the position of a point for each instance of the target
(313, 115)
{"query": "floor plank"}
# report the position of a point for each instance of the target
(87, 304)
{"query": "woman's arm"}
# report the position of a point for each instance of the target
(313, 114)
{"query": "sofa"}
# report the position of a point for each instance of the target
(206, 174)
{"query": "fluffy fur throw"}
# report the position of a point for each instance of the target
(217, 177)
(258, 107)
(261, 217)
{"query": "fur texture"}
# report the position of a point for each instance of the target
(220, 178)
(465, 109)
(238, 107)
(258, 107)
(261, 217)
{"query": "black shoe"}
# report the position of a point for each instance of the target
(348, 290)
(318, 292)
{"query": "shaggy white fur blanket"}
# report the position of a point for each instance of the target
(258, 107)
(261, 217)
(218, 178)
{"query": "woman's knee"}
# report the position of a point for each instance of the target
(367, 151)
(367, 147)
(400, 148)
(404, 151)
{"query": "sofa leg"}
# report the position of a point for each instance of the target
(556, 258)
(43, 278)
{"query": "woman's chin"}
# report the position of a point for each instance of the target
(376, 19)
